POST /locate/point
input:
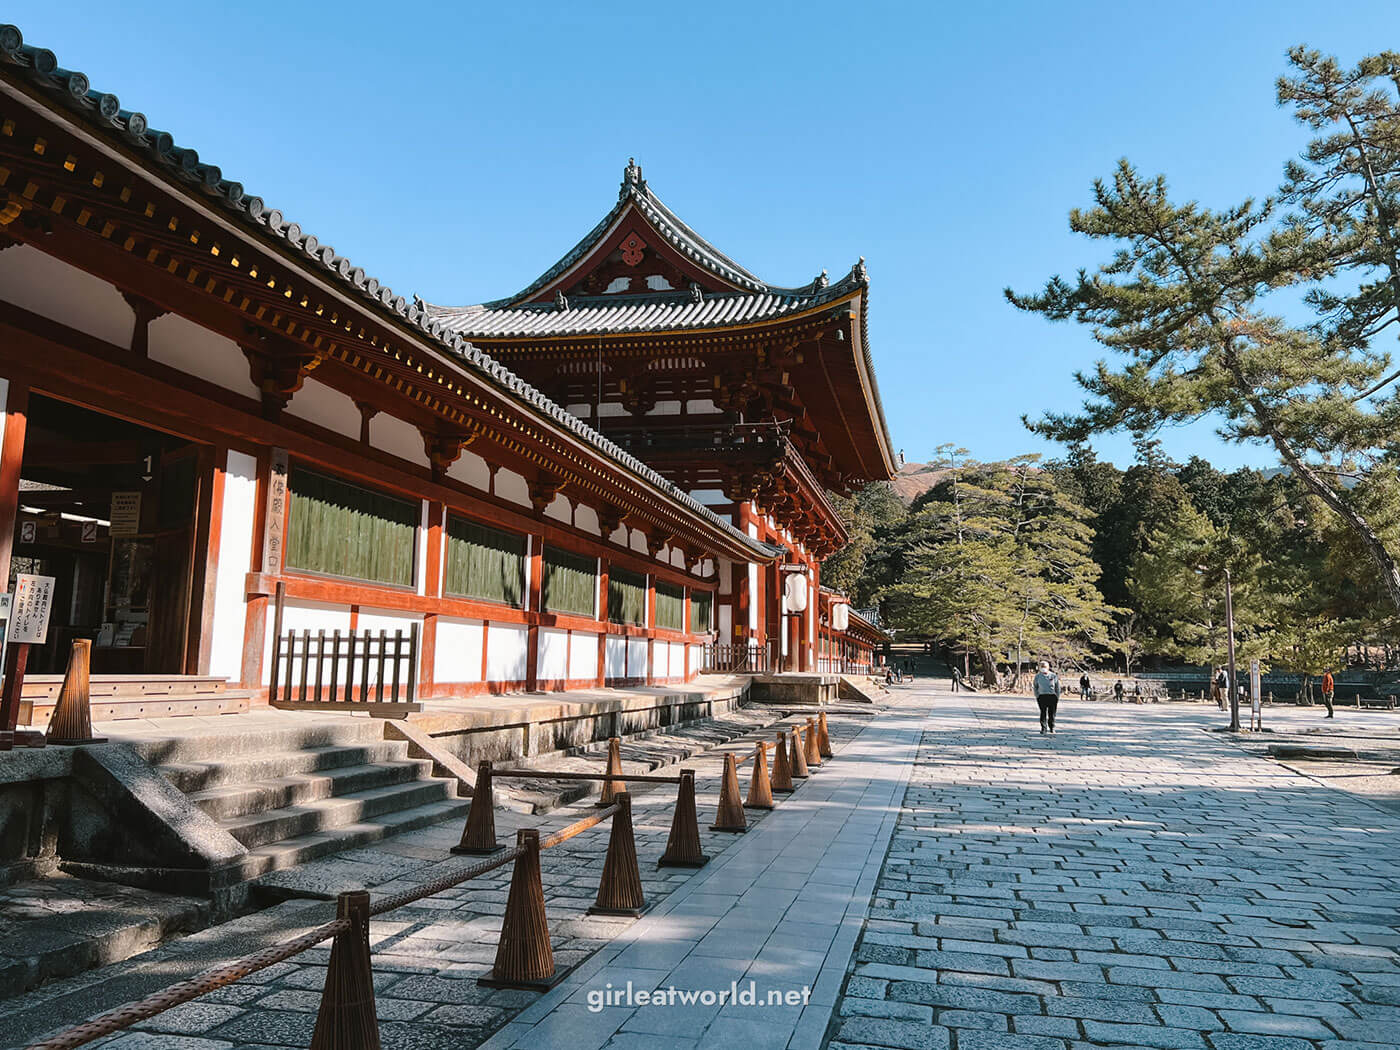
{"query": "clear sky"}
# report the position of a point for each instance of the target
(456, 150)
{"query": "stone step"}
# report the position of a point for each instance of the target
(260, 738)
(242, 799)
(193, 777)
(291, 822)
(288, 853)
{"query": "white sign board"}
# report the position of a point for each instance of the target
(126, 515)
(1254, 686)
(29, 614)
(4, 619)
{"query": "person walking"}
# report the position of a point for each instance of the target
(1047, 696)
(1084, 686)
(1329, 689)
(1118, 690)
(1222, 683)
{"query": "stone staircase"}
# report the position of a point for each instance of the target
(290, 795)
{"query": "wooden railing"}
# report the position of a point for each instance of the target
(366, 671)
(740, 658)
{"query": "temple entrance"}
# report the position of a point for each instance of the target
(110, 510)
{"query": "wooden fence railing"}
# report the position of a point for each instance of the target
(741, 657)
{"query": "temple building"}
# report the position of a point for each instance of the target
(240, 456)
(756, 399)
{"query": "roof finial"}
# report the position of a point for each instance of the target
(560, 301)
(697, 294)
(860, 273)
(632, 175)
(821, 282)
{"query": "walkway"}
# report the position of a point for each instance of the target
(1130, 881)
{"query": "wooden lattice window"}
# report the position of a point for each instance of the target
(483, 562)
(627, 596)
(569, 583)
(702, 605)
(670, 606)
(341, 529)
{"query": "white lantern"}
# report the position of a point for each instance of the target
(795, 592)
(841, 617)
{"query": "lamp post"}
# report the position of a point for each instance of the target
(1230, 655)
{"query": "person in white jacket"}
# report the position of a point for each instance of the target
(1047, 695)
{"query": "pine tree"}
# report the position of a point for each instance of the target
(1181, 302)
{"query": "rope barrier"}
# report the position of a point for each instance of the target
(578, 827)
(444, 882)
(129, 1014)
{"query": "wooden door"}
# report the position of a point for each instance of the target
(173, 561)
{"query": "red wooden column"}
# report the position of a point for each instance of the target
(532, 638)
(604, 567)
(743, 600)
(651, 629)
(11, 457)
(434, 571)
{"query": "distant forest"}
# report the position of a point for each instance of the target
(1087, 564)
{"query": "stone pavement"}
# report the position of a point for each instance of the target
(426, 956)
(1130, 881)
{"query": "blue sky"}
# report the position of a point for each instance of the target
(456, 150)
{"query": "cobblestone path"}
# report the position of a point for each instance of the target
(1130, 881)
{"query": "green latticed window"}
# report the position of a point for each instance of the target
(570, 583)
(670, 606)
(483, 562)
(344, 530)
(702, 604)
(627, 596)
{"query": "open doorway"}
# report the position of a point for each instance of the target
(110, 510)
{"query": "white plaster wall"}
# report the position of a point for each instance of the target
(43, 285)
(458, 653)
(511, 486)
(236, 523)
(709, 497)
(376, 620)
(677, 659)
(638, 542)
(753, 592)
(615, 657)
(678, 559)
(586, 519)
(182, 344)
(392, 435)
(506, 651)
(553, 661)
(726, 577)
(420, 567)
(697, 657)
(560, 510)
(636, 657)
(665, 408)
(583, 656)
(702, 406)
(325, 406)
(472, 470)
(660, 660)
(304, 616)
(620, 536)
(612, 408)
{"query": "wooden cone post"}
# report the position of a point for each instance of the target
(683, 845)
(823, 738)
(809, 742)
(760, 790)
(611, 788)
(479, 836)
(72, 715)
(347, 1018)
(798, 755)
(524, 956)
(782, 768)
(730, 815)
(620, 888)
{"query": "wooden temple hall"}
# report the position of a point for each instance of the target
(246, 463)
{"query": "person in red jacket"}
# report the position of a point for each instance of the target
(1328, 689)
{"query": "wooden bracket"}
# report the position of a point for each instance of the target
(443, 448)
(146, 312)
(543, 490)
(277, 368)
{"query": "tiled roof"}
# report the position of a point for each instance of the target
(103, 112)
(621, 314)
